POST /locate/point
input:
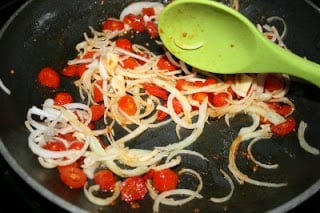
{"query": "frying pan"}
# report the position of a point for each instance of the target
(44, 32)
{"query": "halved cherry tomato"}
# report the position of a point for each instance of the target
(49, 77)
(220, 99)
(155, 90)
(165, 64)
(199, 96)
(136, 22)
(81, 68)
(285, 127)
(124, 44)
(177, 106)
(69, 70)
(73, 177)
(97, 94)
(152, 29)
(67, 136)
(133, 188)
(97, 111)
(89, 54)
(148, 11)
(62, 168)
(105, 179)
(129, 63)
(180, 83)
(62, 98)
(112, 25)
(54, 146)
(128, 105)
(164, 180)
(282, 109)
(272, 83)
(77, 145)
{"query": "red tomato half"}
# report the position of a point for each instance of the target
(62, 98)
(136, 22)
(49, 77)
(164, 180)
(54, 146)
(165, 64)
(155, 90)
(284, 128)
(73, 177)
(124, 44)
(97, 111)
(127, 104)
(105, 179)
(112, 25)
(133, 188)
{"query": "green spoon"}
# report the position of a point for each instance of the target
(216, 38)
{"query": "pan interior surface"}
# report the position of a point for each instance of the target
(45, 32)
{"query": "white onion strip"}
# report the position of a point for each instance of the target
(302, 141)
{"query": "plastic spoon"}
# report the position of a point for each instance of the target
(216, 38)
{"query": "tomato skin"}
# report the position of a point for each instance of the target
(177, 106)
(97, 111)
(136, 22)
(129, 63)
(155, 90)
(62, 98)
(220, 99)
(77, 145)
(49, 77)
(148, 11)
(284, 128)
(133, 188)
(128, 105)
(97, 94)
(165, 64)
(54, 146)
(105, 179)
(152, 29)
(73, 177)
(112, 25)
(164, 180)
(124, 44)
(272, 83)
(81, 68)
(69, 70)
(282, 109)
(199, 96)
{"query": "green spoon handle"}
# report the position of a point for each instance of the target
(273, 58)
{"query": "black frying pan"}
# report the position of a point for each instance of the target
(44, 32)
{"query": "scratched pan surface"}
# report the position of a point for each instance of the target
(44, 32)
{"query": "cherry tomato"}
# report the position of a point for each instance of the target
(97, 111)
(148, 11)
(152, 29)
(62, 98)
(69, 70)
(112, 25)
(155, 90)
(49, 77)
(65, 168)
(129, 63)
(67, 136)
(133, 188)
(97, 94)
(165, 64)
(136, 22)
(199, 96)
(220, 99)
(73, 177)
(105, 179)
(284, 128)
(177, 106)
(164, 180)
(89, 54)
(272, 83)
(124, 44)
(77, 145)
(81, 68)
(128, 105)
(180, 83)
(54, 146)
(282, 109)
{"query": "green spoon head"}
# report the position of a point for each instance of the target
(207, 35)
